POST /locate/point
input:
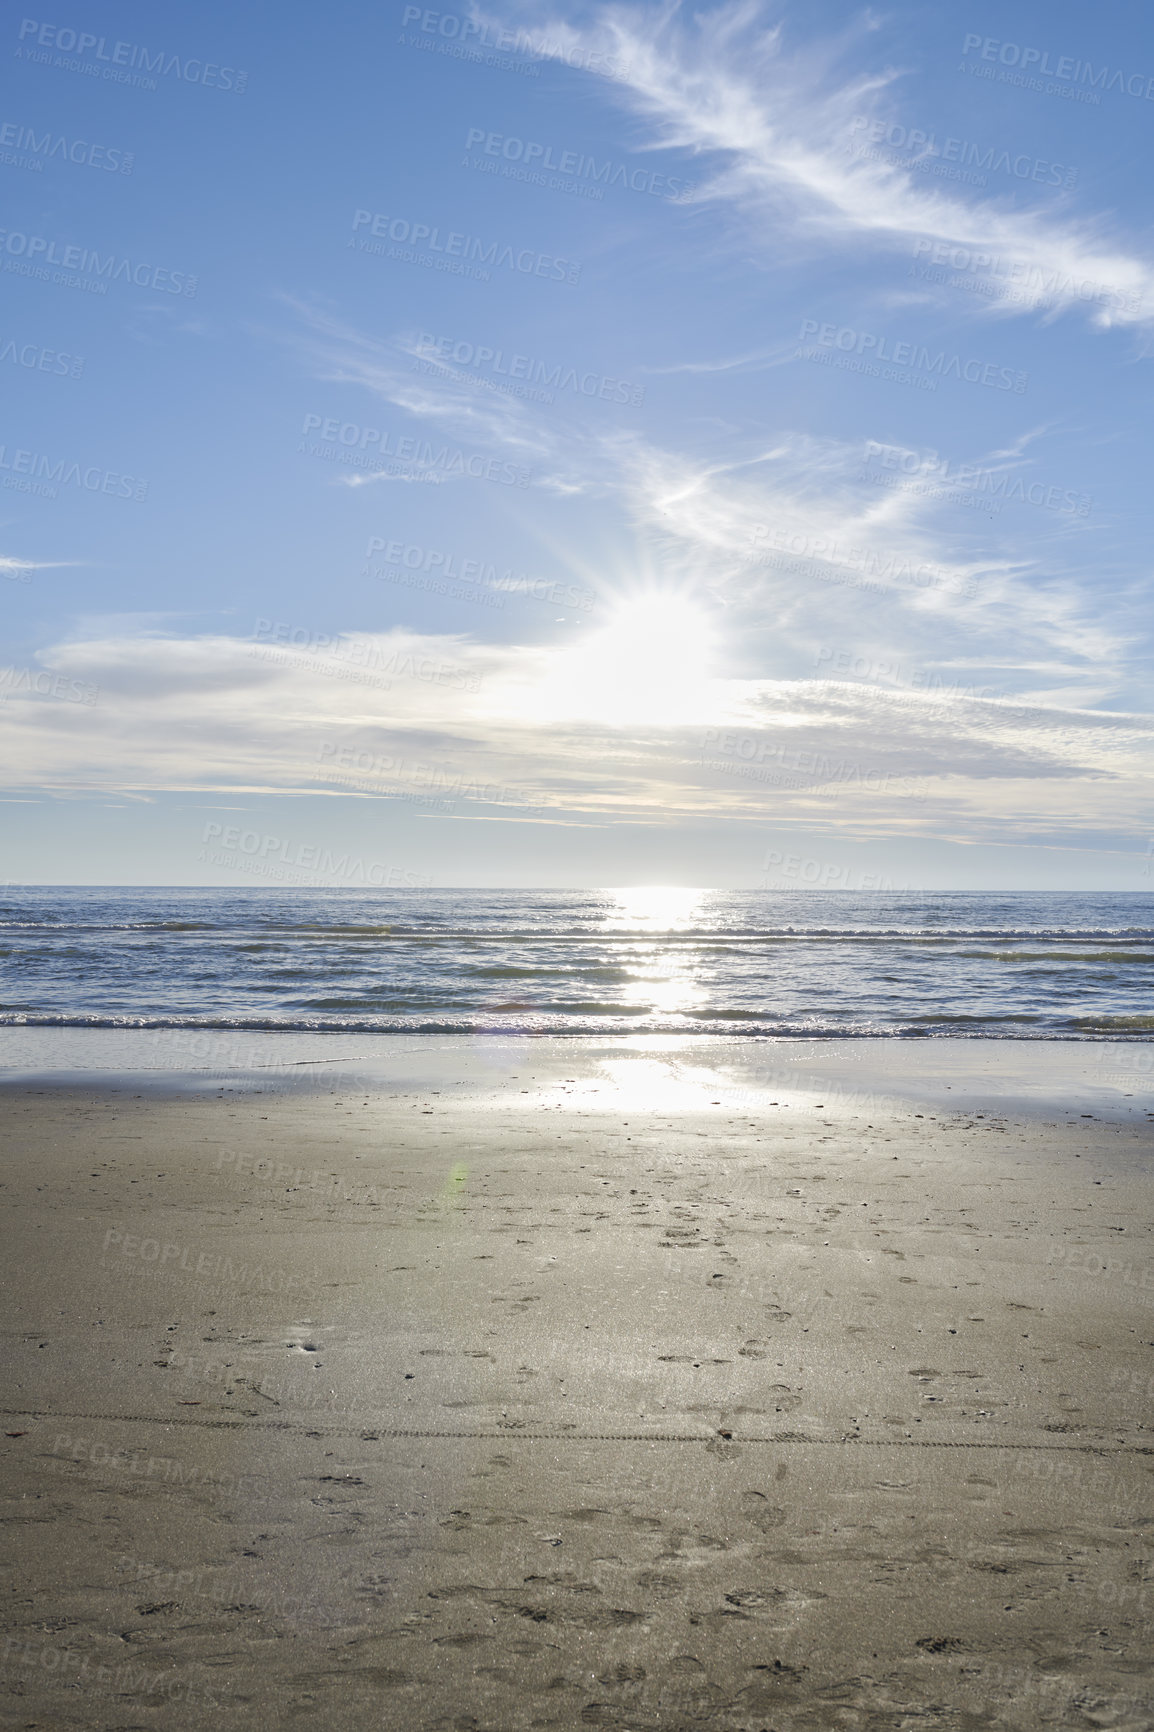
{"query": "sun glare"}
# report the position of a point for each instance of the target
(651, 663)
(654, 908)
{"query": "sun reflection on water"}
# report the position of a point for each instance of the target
(654, 908)
(665, 976)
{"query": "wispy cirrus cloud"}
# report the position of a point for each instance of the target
(341, 354)
(774, 526)
(755, 362)
(10, 566)
(775, 119)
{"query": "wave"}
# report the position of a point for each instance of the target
(724, 938)
(1118, 954)
(574, 972)
(523, 1020)
(1112, 1022)
(745, 964)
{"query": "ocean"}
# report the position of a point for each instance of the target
(658, 961)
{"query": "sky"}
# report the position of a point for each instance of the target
(594, 445)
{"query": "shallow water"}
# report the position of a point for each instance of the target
(814, 964)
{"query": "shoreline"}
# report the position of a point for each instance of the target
(1110, 1079)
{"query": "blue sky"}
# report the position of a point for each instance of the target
(611, 444)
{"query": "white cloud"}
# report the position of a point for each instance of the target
(452, 720)
(778, 124)
(783, 524)
(12, 567)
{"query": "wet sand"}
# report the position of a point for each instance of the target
(417, 1407)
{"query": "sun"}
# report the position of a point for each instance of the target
(651, 662)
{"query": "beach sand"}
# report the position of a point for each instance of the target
(595, 1404)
